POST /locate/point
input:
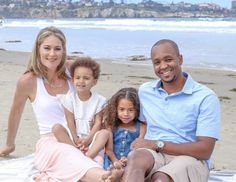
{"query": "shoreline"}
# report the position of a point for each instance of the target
(212, 66)
(145, 62)
(113, 77)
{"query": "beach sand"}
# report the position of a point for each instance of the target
(113, 77)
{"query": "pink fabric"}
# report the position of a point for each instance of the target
(59, 162)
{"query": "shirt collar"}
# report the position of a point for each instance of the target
(188, 85)
(187, 88)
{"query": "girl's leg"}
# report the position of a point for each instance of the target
(98, 144)
(62, 134)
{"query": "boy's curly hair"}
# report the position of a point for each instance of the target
(86, 62)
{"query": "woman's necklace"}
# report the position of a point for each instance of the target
(51, 84)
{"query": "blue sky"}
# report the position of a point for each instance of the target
(223, 3)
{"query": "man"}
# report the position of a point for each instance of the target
(183, 123)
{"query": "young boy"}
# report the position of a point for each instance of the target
(83, 111)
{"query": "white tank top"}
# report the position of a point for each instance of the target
(47, 108)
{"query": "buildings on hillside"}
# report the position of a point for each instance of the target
(72, 8)
(233, 5)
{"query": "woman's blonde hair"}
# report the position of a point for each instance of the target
(35, 64)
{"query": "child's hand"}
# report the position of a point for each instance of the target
(77, 141)
(117, 164)
(85, 142)
(83, 149)
(123, 160)
(120, 163)
(83, 145)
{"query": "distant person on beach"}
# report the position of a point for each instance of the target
(183, 123)
(83, 111)
(121, 119)
(44, 78)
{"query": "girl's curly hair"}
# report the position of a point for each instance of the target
(110, 111)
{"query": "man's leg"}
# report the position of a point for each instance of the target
(139, 163)
(185, 168)
(160, 177)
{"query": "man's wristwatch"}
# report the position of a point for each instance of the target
(160, 145)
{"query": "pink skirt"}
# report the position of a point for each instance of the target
(59, 162)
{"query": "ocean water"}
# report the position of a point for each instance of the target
(204, 42)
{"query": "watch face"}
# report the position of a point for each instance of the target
(160, 144)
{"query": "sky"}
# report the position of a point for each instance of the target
(222, 3)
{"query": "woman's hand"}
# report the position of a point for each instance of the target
(4, 151)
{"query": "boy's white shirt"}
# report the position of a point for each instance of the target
(84, 111)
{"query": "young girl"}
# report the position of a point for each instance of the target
(83, 110)
(120, 115)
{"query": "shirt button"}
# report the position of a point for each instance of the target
(126, 131)
(122, 154)
(123, 142)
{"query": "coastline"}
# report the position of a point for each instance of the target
(113, 77)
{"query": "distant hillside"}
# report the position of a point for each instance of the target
(108, 11)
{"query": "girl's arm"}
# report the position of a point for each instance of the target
(96, 127)
(109, 148)
(24, 89)
(143, 128)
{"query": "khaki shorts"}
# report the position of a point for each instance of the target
(179, 168)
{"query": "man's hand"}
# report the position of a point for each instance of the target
(142, 143)
(4, 151)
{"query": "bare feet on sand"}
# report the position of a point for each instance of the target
(114, 175)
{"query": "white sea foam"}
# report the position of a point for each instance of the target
(195, 25)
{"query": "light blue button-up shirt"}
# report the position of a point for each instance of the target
(179, 117)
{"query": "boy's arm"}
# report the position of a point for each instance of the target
(96, 127)
(71, 124)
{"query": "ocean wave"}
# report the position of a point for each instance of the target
(190, 25)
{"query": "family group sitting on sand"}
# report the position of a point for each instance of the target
(164, 132)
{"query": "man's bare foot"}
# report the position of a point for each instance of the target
(114, 175)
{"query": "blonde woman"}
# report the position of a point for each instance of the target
(44, 78)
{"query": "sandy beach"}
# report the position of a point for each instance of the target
(113, 77)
